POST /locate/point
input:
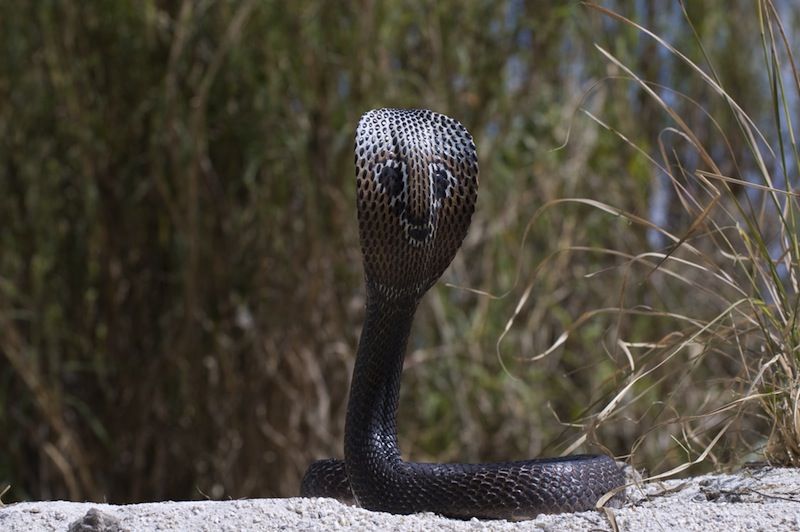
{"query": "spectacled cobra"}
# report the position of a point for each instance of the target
(417, 183)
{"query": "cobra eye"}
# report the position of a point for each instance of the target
(391, 180)
(440, 183)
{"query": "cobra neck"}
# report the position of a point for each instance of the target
(372, 408)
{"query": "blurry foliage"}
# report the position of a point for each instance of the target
(180, 280)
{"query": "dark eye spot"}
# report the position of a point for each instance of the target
(392, 180)
(440, 183)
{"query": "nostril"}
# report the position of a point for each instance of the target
(398, 207)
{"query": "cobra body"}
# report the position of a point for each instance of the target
(417, 182)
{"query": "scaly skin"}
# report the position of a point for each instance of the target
(417, 182)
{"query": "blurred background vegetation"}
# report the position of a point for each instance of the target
(180, 281)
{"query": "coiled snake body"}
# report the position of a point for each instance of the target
(417, 182)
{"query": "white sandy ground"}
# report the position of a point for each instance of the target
(754, 499)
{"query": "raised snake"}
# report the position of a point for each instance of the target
(417, 183)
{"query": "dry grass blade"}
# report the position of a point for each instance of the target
(747, 248)
(706, 78)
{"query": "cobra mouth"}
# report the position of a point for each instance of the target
(418, 231)
(418, 234)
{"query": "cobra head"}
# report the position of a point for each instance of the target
(416, 182)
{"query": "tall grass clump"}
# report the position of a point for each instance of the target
(717, 370)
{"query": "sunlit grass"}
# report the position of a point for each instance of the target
(721, 379)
